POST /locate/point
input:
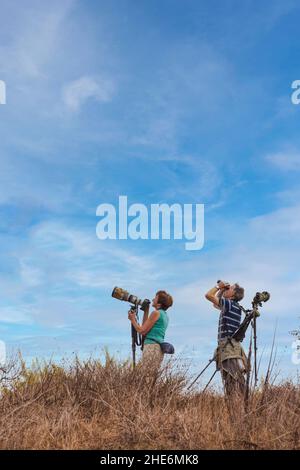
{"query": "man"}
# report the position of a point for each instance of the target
(230, 357)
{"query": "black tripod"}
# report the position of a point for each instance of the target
(136, 338)
(239, 335)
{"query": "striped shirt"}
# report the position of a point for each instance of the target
(230, 318)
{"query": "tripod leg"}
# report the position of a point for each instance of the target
(255, 350)
(209, 380)
(133, 344)
(199, 375)
(248, 373)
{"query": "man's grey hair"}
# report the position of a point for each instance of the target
(239, 292)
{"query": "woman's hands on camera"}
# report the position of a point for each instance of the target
(131, 315)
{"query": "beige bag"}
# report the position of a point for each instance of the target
(230, 349)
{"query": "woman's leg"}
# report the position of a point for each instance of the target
(152, 357)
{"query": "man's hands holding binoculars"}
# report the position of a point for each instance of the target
(223, 285)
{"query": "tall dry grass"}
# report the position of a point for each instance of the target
(89, 405)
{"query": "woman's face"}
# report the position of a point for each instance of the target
(155, 303)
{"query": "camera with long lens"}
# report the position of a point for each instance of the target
(261, 297)
(122, 294)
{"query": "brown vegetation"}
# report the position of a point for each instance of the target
(89, 405)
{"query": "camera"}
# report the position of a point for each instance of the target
(261, 297)
(122, 294)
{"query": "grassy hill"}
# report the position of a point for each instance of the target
(90, 405)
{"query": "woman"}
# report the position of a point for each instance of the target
(153, 329)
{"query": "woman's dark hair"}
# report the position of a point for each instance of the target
(164, 299)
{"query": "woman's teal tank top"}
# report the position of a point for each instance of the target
(158, 331)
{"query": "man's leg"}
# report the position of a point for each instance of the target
(233, 376)
(234, 387)
(232, 370)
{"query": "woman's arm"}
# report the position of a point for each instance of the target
(146, 327)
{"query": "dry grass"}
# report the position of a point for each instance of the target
(89, 405)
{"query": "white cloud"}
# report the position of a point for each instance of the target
(77, 92)
(31, 276)
(37, 34)
(280, 227)
(65, 275)
(16, 315)
(287, 161)
(288, 196)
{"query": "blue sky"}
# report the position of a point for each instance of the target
(162, 101)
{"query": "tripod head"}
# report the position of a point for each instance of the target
(251, 315)
(259, 298)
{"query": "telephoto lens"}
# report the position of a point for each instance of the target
(122, 294)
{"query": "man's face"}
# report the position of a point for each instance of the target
(229, 293)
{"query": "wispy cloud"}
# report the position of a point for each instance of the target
(57, 264)
(285, 160)
(39, 27)
(15, 315)
(77, 92)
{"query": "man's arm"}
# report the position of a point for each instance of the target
(211, 296)
(214, 295)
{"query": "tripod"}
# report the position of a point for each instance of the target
(136, 338)
(239, 335)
